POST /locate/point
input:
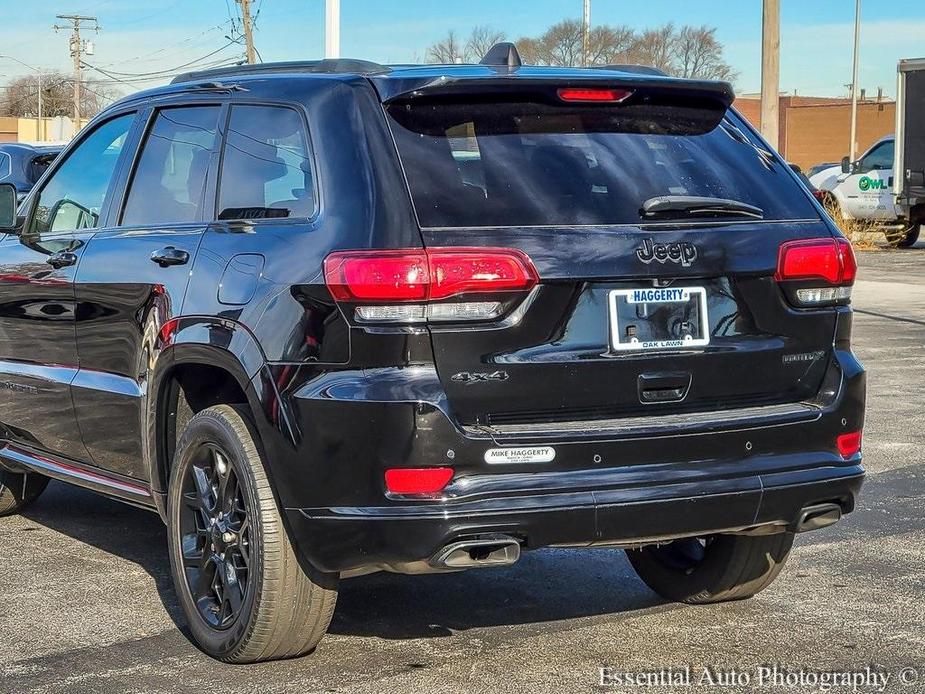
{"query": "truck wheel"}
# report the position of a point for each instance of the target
(716, 568)
(245, 595)
(912, 235)
(19, 489)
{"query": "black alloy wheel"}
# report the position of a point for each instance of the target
(215, 536)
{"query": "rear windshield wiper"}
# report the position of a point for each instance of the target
(695, 206)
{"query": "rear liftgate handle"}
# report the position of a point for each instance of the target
(663, 386)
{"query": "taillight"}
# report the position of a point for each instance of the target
(818, 272)
(848, 444)
(418, 480)
(579, 94)
(401, 286)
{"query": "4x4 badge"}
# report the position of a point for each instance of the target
(677, 252)
(479, 376)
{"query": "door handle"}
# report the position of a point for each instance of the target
(170, 256)
(61, 259)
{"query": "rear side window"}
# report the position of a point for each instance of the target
(535, 164)
(169, 181)
(266, 169)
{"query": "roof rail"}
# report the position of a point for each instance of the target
(502, 55)
(326, 66)
(634, 68)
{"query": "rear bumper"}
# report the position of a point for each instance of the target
(641, 482)
(403, 538)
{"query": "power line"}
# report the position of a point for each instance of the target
(166, 70)
(149, 57)
(137, 82)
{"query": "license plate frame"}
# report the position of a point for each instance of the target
(661, 296)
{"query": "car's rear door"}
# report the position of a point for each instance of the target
(133, 276)
(634, 313)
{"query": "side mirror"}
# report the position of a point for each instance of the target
(846, 165)
(8, 205)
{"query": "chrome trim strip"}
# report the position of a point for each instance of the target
(71, 471)
(716, 420)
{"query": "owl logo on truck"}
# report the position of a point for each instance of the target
(866, 183)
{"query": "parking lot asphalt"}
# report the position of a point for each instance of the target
(86, 602)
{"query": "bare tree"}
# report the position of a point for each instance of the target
(697, 53)
(20, 98)
(530, 50)
(655, 47)
(480, 40)
(688, 52)
(610, 44)
(446, 51)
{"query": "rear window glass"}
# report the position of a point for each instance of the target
(530, 164)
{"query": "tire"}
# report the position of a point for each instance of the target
(264, 605)
(911, 237)
(19, 489)
(717, 568)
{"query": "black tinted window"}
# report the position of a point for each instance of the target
(527, 164)
(266, 169)
(170, 178)
(73, 196)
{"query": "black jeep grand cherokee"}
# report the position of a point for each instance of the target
(332, 318)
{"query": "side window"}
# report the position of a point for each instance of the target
(169, 182)
(73, 196)
(266, 170)
(881, 157)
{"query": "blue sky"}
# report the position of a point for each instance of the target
(144, 37)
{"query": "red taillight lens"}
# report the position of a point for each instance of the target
(593, 95)
(377, 275)
(418, 480)
(849, 263)
(423, 275)
(824, 270)
(458, 271)
(849, 444)
(815, 258)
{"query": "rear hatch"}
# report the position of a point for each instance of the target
(649, 299)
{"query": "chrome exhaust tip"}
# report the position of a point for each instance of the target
(479, 552)
(818, 516)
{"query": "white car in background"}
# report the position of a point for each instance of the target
(863, 190)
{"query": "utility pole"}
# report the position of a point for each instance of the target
(77, 48)
(854, 81)
(586, 34)
(248, 30)
(332, 29)
(770, 71)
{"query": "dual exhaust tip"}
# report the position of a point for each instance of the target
(503, 550)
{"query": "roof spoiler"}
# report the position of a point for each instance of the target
(709, 93)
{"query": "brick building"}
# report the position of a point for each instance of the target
(814, 130)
